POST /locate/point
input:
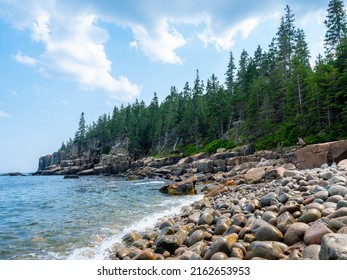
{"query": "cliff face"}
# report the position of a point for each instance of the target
(177, 167)
(61, 164)
(90, 162)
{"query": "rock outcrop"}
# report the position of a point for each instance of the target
(185, 187)
(316, 155)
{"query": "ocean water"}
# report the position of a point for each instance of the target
(48, 217)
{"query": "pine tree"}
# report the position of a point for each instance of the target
(336, 24)
(80, 135)
(229, 79)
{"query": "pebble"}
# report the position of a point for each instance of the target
(302, 215)
(205, 218)
(264, 250)
(333, 247)
(310, 215)
(295, 233)
(284, 221)
(337, 190)
(341, 203)
(267, 232)
(311, 252)
(314, 233)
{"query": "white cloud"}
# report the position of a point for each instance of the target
(24, 59)
(4, 114)
(74, 49)
(77, 50)
(160, 42)
(224, 40)
(40, 27)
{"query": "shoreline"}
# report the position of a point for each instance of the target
(299, 214)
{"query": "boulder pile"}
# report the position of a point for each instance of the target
(269, 212)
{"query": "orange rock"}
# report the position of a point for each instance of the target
(230, 183)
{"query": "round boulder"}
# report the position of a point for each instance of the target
(295, 233)
(333, 247)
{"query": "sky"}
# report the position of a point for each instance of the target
(59, 58)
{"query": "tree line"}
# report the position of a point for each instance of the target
(269, 98)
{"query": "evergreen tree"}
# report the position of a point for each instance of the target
(336, 24)
(80, 135)
(229, 79)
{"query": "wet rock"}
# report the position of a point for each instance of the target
(231, 239)
(250, 207)
(239, 219)
(166, 231)
(194, 218)
(249, 238)
(289, 208)
(205, 218)
(131, 237)
(267, 232)
(195, 257)
(166, 223)
(295, 233)
(283, 198)
(284, 221)
(222, 226)
(146, 254)
(122, 252)
(266, 199)
(310, 215)
(185, 187)
(219, 256)
(265, 250)
(152, 235)
(181, 236)
(167, 243)
(314, 234)
(233, 229)
(268, 215)
(198, 248)
(219, 245)
(141, 244)
(196, 236)
(333, 247)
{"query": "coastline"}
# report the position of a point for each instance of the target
(290, 203)
(290, 215)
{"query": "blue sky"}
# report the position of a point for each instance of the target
(59, 58)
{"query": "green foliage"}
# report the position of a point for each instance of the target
(213, 146)
(106, 149)
(270, 99)
(188, 150)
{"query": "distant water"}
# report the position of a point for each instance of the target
(50, 217)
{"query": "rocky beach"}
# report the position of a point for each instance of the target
(286, 204)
